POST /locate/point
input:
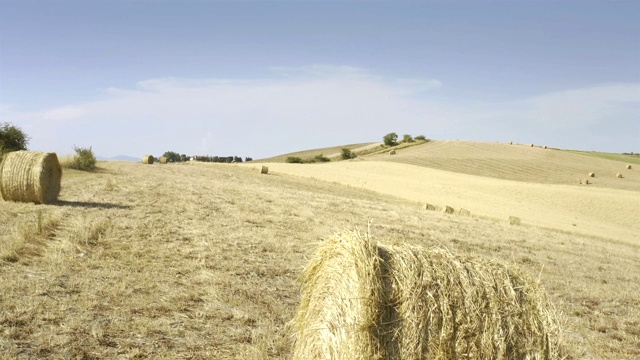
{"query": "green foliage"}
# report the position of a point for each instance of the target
(407, 138)
(320, 158)
(391, 139)
(84, 159)
(421, 138)
(347, 154)
(173, 156)
(12, 138)
(294, 160)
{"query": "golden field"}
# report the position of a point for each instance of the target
(201, 261)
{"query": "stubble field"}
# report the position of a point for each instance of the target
(200, 261)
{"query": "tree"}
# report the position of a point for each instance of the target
(172, 156)
(421, 138)
(391, 139)
(12, 138)
(294, 160)
(407, 138)
(84, 159)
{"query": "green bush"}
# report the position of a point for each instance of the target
(12, 138)
(84, 159)
(347, 154)
(407, 138)
(320, 158)
(294, 160)
(421, 138)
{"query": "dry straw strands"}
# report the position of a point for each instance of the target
(164, 160)
(147, 159)
(30, 176)
(513, 220)
(362, 300)
(264, 170)
(448, 210)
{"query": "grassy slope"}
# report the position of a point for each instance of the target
(330, 152)
(201, 261)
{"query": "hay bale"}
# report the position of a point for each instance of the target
(629, 167)
(531, 145)
(147, 159)
(513, 220)
(264, 170)
(448, 210)
(429, 207)
(392, 152)
(164, 160)
(30, 176)
(464, 212)
(544, 147)
(510, 142)
(592, 174)
(619, 176)
(362, 300)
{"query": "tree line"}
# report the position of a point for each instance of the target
(173, 156)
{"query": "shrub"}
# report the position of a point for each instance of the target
(84, 159)
(12, 138)
(391, 139)
(320, 158)
(347, 154)
(421, 138)
(294, 160)
(407, 138)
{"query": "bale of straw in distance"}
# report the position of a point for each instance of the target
(544, 147)
(448, 210)
(629, 167)
(30, 176)
(619, 176)
(464, 212)
(592, 174)
(392, 152)
(362, 300)
(429, 207)
(147, 159)
(510, 142)
(264, 170)
(164, 160)
(531, 145)
(514, 220)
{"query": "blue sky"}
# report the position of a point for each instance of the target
(264, 78)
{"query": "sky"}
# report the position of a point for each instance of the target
(259, 79)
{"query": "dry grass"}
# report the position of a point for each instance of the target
(330, 152)
(208, 270)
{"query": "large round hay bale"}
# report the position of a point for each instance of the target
(514, 220)
(147, 159)
(629, 167)
(448, 210)
(531, 145)
(544, 147)
(264, 170)
(30, 176)
(619, 176)
(592, 174)
(164, 160)
(362, 300)
(392, 152)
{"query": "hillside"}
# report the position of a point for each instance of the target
(332, 152)
(202, 260)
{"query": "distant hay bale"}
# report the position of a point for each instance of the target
(464, 212)
(164, 160)
(510, 142)
(629, 167)
(592, 174)
(619, 176)
(429, 207)
(30, 176)
(147, 159)
(531, 145)
(264, 170)
(448, 210)
(544, 147)
(513, 220)
(392, 152)
(362, 300)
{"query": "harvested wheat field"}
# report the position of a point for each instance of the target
(203, 261)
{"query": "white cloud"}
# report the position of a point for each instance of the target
(302, 108)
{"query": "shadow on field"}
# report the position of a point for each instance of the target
(85, 204)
